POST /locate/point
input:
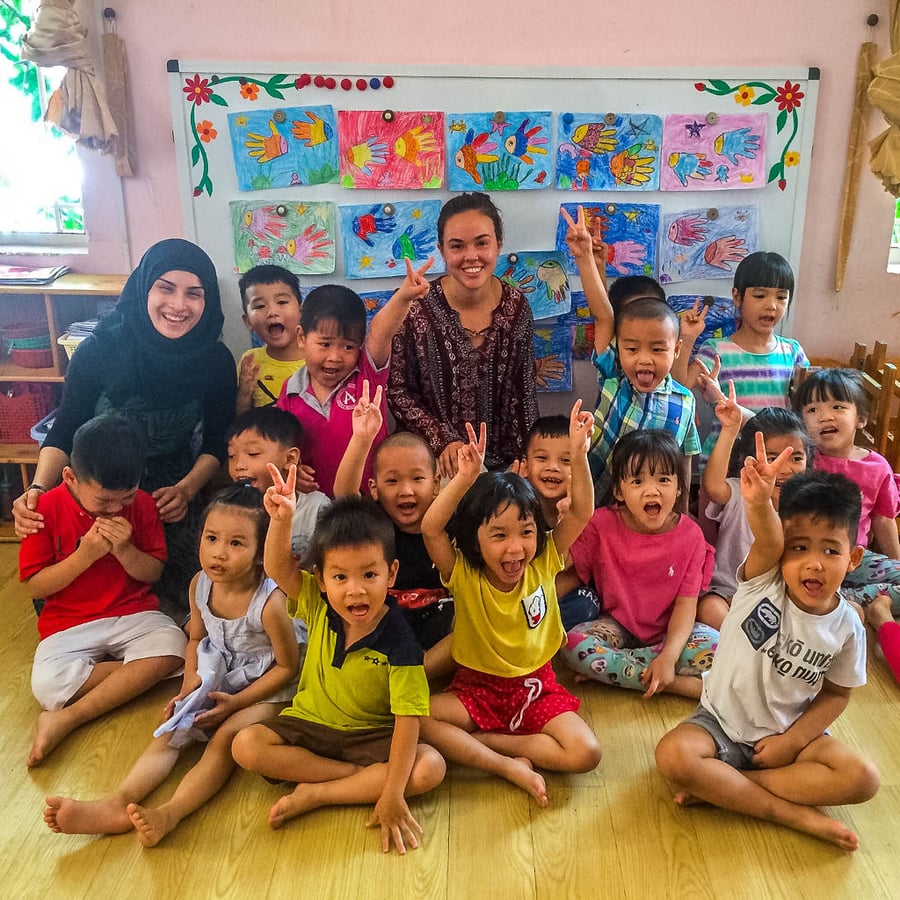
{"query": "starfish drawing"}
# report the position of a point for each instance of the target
(635, 129)
(695, 128)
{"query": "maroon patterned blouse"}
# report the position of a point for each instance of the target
(438, 381)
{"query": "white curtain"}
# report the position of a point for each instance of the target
(78, 106)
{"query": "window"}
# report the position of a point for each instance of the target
(894, 258)
(40, 173)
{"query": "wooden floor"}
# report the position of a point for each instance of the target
(612, 833)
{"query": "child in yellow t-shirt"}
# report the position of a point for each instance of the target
(270, 296)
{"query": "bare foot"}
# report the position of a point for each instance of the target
(151, 825)
(879, 611)
(579, 678)
(65, 816)
(301, 800)
(816, 823)
(683, 798)
(520, 772)
(52, 726)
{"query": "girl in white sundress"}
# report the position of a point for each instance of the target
(240, 668)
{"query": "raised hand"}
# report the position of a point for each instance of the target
(280, 497)
(708, 381)
(694, 320)
(578, 238)
(366, 419)
(471, 456)
(758, 475)
(581, 427)
(727, 410)
(415, 284)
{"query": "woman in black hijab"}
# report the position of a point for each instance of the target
(157, 360)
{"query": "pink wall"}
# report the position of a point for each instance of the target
(521, 32)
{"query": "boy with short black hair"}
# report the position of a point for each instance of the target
(103, 639)
(404, 482)
(352, 734)
(266, 435)
(271, 300)
(790, 651)
(340, 355)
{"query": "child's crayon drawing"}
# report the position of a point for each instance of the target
(541, 277)
(298, 235)
(391, 150)
(706, 243)
(611, 152)
(553, 358)
(377, 237)
(699, 155)
(721, 315)
(275, 148)
(374, 300)
(581, 323)
(630, 229)
(499, 151)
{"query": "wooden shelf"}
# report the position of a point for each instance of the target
(57, 304)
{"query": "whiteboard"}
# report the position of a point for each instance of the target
(530, 216)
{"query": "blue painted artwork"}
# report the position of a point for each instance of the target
(374, 301)
(541, 277)
(377, 237)
(499, 151)
(697, 244)
(288, 147)
(581, 323)
(553, 358)
(611, 152)
(721, 315)
(630, 229)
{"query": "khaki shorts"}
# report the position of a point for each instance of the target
(362, 747)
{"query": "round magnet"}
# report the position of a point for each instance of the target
(611, 209)
(712, 118)
(388, 81)
(319, 81)
(346, 84)
(712, 214)
(388, 115)
(708, 300)
(610, 118)
(388, 209)
(361, 84)
(513, 258)
(499, 117)
(278, 115)
(374, 83)
(281, 210)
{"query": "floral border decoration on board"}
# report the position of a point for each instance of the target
(199, 90)
(203, 90)
(757, 93)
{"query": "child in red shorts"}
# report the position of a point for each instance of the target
(504, 711)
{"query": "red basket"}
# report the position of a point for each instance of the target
(19, 330)
(32, 359)
(22, 406)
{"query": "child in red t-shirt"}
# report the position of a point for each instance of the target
(101, 548)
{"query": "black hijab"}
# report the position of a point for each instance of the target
(163, 365)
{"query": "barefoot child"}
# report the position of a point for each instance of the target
(101, 548)
(790, 652)
(351, 735)
(648, 563)
(270, 296)
(241, 665)
(404, 482)
(504, 711)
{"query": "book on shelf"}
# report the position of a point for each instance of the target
(31, 274)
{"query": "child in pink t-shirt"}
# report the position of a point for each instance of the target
(833, 404)
(340, 355)
(648, 563)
